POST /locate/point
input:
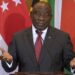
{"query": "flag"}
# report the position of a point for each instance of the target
(14, 16)
(29, 4)
(68, 18)
(65, 16)
(52, 3)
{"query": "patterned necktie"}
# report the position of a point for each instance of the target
(38, 45)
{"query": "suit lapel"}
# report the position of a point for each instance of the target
(48, 42)
(31, 46)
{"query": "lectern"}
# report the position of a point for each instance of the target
(44, 73)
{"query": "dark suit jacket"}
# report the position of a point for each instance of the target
(56, 52)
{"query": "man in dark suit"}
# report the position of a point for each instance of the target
(56, 51)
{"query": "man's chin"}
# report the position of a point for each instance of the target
(40, 28)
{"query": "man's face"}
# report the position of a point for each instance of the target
(41, 16)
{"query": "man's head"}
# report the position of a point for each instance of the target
(41, 15)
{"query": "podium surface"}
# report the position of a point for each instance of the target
(44, 73)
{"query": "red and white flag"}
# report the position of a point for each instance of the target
(65, 17)
(14, 16)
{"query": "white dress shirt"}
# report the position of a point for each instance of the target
(35, 35)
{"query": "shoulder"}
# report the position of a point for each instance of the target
(63, 38)
(60, 33)
(23, 32)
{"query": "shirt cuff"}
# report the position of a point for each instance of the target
(9, 65)
(73, 71)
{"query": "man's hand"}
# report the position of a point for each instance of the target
(6, 56)
(72, 63)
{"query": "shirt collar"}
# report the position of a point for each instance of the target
(43, 31)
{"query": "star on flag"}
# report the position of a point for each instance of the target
(4, 6)
(17, 2)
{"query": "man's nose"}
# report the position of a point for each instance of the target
(41, 18)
